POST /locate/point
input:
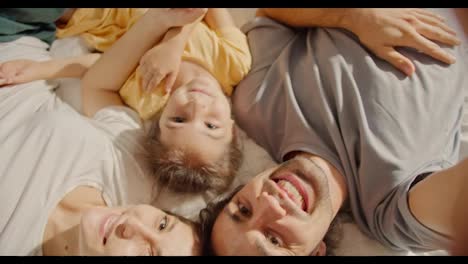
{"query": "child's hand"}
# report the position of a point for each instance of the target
(177, 17)
(160, 63)
(19, 71)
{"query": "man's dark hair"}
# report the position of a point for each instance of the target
(207, 218)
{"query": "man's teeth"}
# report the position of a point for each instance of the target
(292, 191)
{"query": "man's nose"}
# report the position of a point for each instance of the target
(268, 210)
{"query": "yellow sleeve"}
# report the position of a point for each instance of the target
(146, 104)
(225, 53)
(100, 27)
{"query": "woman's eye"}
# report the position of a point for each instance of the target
(163, 223)
(243, 210)
(275, 241)
(178, 119)
(211, 126)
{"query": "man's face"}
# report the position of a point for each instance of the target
(134, 231)
(282, 211)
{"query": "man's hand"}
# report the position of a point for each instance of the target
(381, 30)
(19, 71)
(160, 63)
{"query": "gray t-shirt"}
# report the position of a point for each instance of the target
(320, 91)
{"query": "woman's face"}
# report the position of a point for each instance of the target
(140, 230)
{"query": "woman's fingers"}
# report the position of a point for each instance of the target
(146, 76)
(170, 80)
(157, 78)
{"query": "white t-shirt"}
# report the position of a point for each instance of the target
(47, 149)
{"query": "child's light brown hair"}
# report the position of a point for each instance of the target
(182, 171)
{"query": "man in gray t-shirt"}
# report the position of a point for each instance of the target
(354, 130)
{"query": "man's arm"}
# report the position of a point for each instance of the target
(435, 201)
(308, 17)
(460, 243)
(380, 30)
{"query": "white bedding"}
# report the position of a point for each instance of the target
(256, 159)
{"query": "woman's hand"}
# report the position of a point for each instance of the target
(381, 30)
(19, 71)
(161, 63)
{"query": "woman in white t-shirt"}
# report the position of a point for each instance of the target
(67, 183)
(60, 186)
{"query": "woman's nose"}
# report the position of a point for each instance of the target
(131, 228)
(125, 230)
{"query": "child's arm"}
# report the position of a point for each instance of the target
(22, 71)
(162, 61)
(217, 18)
(102, 81)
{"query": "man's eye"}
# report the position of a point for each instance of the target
(163, 223)
(243, 209)
(211, 126)
(178, 119)
(275, 241)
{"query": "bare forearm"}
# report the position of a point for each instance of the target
(460, 246)
(116, 64)
(179, 36)
(74, 67)
(309, 17)
(435, 201)
(217, 18)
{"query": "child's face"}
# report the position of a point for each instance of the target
(197, 118)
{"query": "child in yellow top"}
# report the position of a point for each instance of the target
(191, 146)
(224, 52)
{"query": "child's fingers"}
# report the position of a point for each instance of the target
(170, 80)
(157, 78)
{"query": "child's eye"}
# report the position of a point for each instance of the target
(178, 119)
(211, 126)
